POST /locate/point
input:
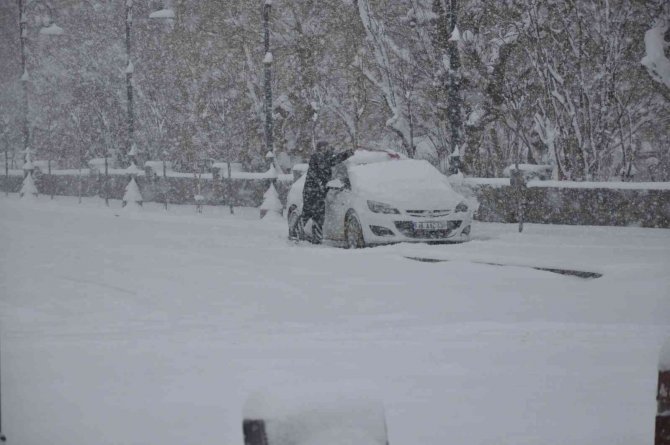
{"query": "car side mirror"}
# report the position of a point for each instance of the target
(335, 184)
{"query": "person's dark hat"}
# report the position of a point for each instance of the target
(322, 145)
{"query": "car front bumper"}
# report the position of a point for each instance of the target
(385, 229)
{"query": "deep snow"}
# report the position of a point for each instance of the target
(155, 327)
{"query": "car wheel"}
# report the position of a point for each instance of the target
(294, 225)
(353, 232)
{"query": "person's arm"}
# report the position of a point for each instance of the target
(341, 157)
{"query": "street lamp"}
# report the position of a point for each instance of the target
(267, 61)
(50, 30)
(454, 98)
(166, 14)
(130, 68)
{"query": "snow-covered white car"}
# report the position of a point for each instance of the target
(378, 197)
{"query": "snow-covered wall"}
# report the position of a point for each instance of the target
(590, 205)
(180, 188)
(548, 202)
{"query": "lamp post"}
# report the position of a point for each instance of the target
(164, 182)
(454, 99)
(166, 14)
(267, 62)
(48, 28)
(130, 119)
(51, 29)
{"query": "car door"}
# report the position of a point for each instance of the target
(336, 205)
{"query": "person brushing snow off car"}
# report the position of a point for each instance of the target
(315, 190)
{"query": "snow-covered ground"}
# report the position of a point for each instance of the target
(155, 327)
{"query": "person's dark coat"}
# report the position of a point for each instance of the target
(318, 175)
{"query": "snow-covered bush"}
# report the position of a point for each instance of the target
(28, 189)
(132, 198)
(271, 202)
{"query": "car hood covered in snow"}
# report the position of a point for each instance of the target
(408, 184)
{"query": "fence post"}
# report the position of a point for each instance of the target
(663, 398)
(518, 184)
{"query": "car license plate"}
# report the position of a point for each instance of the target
(431, 225)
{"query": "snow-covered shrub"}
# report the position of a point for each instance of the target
(28, 189)
(132, 198)
(271, 202)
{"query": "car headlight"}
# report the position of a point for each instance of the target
(462, 207)
(380, 207)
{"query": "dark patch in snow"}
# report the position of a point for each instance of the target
(575, 273)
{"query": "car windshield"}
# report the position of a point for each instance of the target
(402, 173)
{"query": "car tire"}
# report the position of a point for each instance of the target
(353, 232)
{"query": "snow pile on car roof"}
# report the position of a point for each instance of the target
(370, 157)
